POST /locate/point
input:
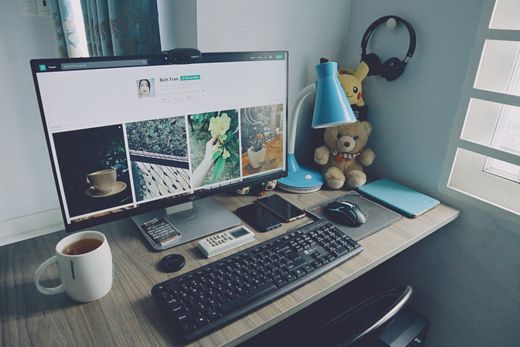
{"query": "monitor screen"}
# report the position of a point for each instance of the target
(127, 135)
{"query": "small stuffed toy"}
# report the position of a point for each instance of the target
(343, 155)
(351, 84)
(258, 189)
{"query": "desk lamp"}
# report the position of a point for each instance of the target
(330, 108)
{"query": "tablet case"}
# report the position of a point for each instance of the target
(378, 217)
(398, 197)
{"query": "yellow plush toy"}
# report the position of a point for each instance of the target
(344, 155)
(351, 84)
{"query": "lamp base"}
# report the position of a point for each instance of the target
(303, 180)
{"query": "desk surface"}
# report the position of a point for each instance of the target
(128, 316)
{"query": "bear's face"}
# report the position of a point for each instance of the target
(350, 138)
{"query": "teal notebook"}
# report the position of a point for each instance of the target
(402, 199)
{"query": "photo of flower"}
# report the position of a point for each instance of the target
(214, 147)
(218, 126)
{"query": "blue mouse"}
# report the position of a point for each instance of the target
(346, 213)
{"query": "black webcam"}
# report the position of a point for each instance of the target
(183, 56)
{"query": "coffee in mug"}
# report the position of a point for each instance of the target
(85, 267)
(103, 181)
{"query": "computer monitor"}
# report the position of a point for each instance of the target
(130, 136)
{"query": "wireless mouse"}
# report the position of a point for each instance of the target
(172, 263)
(346, 213)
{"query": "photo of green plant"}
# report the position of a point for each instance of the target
(262, 141)
(214, 147)
(159, 157)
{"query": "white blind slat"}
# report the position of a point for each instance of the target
(490, 152)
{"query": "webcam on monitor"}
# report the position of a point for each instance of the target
(183, 56)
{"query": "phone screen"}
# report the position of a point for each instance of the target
(281, 207)
(258, 217)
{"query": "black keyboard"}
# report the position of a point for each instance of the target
(203, 300)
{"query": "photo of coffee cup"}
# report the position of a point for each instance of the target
(103, 181)
(85, 268)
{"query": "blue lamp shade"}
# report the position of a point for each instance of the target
(331, 106)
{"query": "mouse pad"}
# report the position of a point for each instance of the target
(378, 217)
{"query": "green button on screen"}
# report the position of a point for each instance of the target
(190, 77)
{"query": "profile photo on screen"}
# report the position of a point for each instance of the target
(145, 88)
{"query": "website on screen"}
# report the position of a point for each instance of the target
(126, 136)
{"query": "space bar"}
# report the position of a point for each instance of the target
(248, 298)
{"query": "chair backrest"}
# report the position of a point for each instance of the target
(362, 323)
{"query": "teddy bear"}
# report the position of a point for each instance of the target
(344, 154)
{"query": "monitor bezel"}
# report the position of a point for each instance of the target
(157, 59)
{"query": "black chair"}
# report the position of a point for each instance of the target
(343, 318)
(361, 324)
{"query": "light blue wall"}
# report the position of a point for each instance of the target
(308, 29)
(177, 23)
(466, 275)
(27, 183)
(413, 115)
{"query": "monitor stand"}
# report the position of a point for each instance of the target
(193, 219)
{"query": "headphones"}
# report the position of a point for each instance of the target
(393, 67)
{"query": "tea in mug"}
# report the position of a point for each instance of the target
(82, 246)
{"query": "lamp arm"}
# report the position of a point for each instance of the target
(306, 92)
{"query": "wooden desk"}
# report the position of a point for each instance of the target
(128, 316)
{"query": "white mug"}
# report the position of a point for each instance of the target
(85, 267)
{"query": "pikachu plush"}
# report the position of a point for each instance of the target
(351, 82)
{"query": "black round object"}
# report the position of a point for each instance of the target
(172, 263)
(394, 67)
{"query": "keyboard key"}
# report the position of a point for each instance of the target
(188, 326)
(308, 268)
(244, 300)
(299, 272)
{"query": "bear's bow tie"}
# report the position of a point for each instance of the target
(343, 155)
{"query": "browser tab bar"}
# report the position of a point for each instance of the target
(103, 64)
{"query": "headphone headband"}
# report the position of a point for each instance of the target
(373, 26)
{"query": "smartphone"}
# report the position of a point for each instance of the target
(259, 218)
(281, 207)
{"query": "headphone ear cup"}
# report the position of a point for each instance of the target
(393, 68)
(374, 64)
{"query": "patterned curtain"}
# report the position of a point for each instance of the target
(66, 15)
(112, 27)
